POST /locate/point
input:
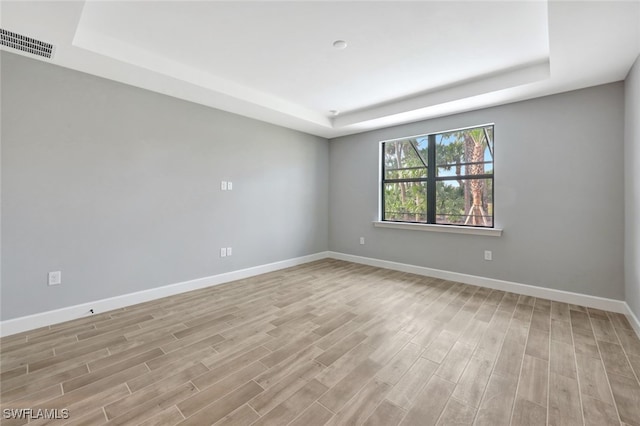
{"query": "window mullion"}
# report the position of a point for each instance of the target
(431, 180)
(383, 177)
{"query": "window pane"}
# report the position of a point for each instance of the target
(405, 201)
(465, 152)
(406, 159)
(465, 202)
(460, 182)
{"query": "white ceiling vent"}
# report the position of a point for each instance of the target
(26, 44)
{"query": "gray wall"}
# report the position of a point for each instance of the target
(558, 188)
(119, 188)
(632, 189)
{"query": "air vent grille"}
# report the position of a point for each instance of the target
(26, 44)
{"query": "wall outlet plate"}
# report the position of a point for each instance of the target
(488, 255)
(55, 277)
(223, 185)
(223, 252)
(229, 251)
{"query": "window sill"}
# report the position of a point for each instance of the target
(452, 229)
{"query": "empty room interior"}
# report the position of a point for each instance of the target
(330, 212)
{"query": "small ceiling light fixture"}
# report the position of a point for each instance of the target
(340, 44)
(334, 112)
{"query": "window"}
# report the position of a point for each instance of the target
(441, 178)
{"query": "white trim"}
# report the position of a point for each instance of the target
(30, 322)
(453, 229)
(633, 319)
(612, 305)
(43, 319)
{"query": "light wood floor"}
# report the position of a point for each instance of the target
(332, 342)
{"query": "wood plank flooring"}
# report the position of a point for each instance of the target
(333, 343)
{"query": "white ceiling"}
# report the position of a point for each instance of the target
(405, 61)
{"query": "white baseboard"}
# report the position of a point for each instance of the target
(633, 319)
(30, 322)
(43, 319)
(611, 305)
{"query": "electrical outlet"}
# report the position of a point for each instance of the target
(230, 186)
(223, 185)
(55, 277)
(361, 240)
(223, 252)
(229, 251)
(488, 255)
